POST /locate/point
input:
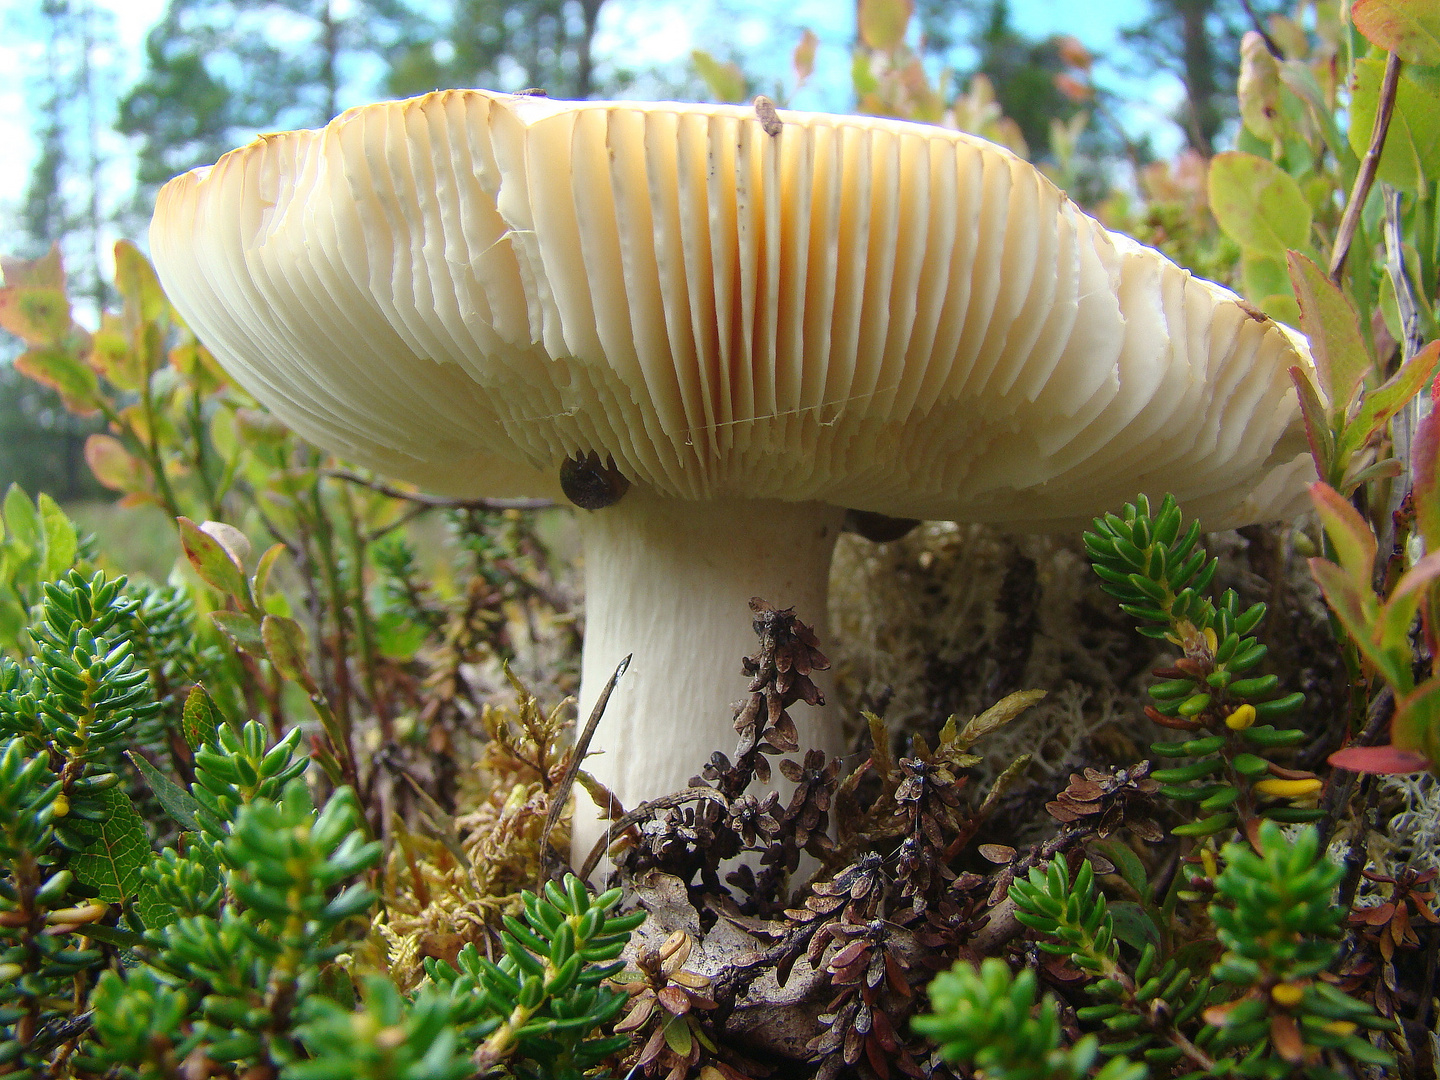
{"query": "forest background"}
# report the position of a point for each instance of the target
(107, 128)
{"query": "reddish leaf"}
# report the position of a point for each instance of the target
(1425, 466)
(1351, 535)
(46, 270)
(114, 466)
(804, 58)
(1408, 28)
(1379, 759)
(216, 565)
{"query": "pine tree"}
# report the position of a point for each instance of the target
(1197, 41)
(219, 71)
(503, 45)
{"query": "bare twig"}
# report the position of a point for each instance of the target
(1260, 29)
(437, 502)
(1368, 165)
(560, 794)
(1337, 798)
(639, 814)
(1412, 340)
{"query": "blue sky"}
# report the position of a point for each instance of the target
(654, 31)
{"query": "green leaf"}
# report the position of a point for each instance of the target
(199, 718)
(1412, 144)
(882, 23)
(178, 802)
(22, 520)
(726, 82)
(1133, 925)
(212, 561)
(1263, 275)
(1127, 864)
(242, 630)
(1416, 726)
(1331, 323)
(115, 849)
(1379, 405)
(1258, 204)
(286, 646)
(260, 583)
(1408, 28)
(61, 542)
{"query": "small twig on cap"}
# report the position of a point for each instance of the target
(1368, 166)
(766, 114)
(437, 502)
(559, 795)
(639, 814)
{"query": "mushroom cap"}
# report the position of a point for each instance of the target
(464, 289)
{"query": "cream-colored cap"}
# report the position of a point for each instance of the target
(463, 289)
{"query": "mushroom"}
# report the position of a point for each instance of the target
(722, 329)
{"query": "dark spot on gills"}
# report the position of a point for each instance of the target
(591, 484)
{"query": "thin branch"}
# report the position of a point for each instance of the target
(1412, 340)
(1337, 797)
(559, 795)
(437, 502)
(1368, 165)
(639, 814)
(1260, 29)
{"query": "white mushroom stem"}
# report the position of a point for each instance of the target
(669, 581)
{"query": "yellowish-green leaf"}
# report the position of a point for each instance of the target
(1412, 143)
(22, 520)
(136, 281)
(1258, 204)
(998, 715)
(1408, 28)
(882, 23)
(61, 542)
(1349, 533)
(199, 719)
(1259, 86)
(36, 314)
(58, 369)
(1330, 321)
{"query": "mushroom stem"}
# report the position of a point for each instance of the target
(670, 581)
